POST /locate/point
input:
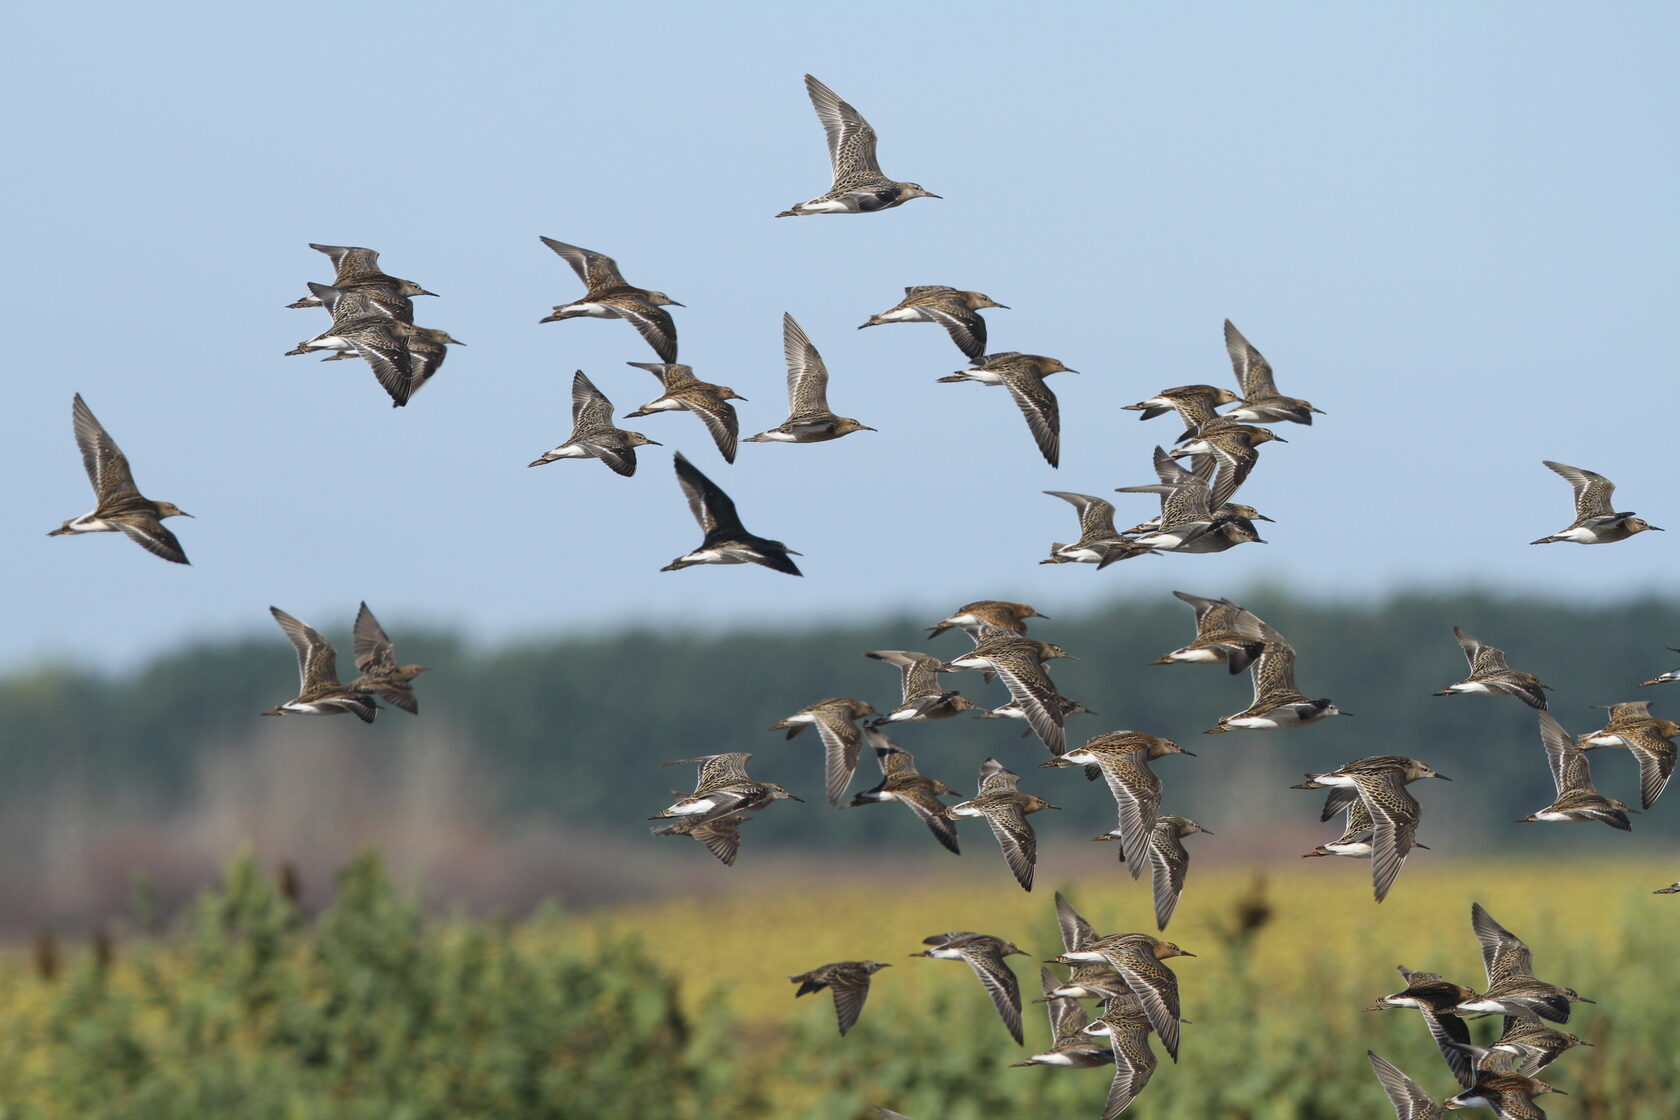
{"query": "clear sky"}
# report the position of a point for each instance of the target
(1448, 225)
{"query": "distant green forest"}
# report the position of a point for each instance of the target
(574, 729)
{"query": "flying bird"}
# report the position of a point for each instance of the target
(610, 297)
(860, 187)
(727, 540)
(119, 506)
(1596, 521)
(319, 693)
(594, 436)
(809, 418)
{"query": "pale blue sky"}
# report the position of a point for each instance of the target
(1448, 225)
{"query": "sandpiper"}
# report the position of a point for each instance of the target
(1261, 403)
(809, 418)
(349, 303)
(1355, 840)
(723, 788)
(376, 661)
(119, 506)
(1125, 1023)
(594, 436)
(1647, 737)
(1380, 782)
(847, 980)
(1437, 1000)
(1005, 808)
(682, 390)
(356, 267)
(1278, 704)
(924, 701)
(1019, 661)
(956, 311)
(1225, 633)
(1122, 758)
(1187, 522)
(1013, 710)
(1491, 676)
(610, 297)
(1576, 799)
(1533, 1044)
(1098, 542)
(1070, 1046)
(427, 347)
(1672, 888)
(1512, 987)
(727, 540)
(1410, 1102)
(984, 954)
(1023, 375)
(836, 724)
(1138, 958)
(1088, 979)
(1195, 404)
(720, 835)
(1509, 1094)
(859, 187)
(986, 612)
(1596, 522)
(1236, 448)
(900, 782)
(319, 693)
(1169, 862)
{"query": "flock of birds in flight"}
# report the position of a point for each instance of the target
(372, 317)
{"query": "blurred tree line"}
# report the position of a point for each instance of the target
(574, 728)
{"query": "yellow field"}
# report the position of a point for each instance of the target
(1277, 1009)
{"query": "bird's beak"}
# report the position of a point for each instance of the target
(1653, 529)
(867, 428)
(1001, 306)
(930, 194)
(791, 797)
(1192, 754)
(184, 513)
(655, 443)
(1443, 777)
(1182, 953)
(424, 292)
(674, 303)
(1263, 517)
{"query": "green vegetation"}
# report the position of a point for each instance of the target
(250, 1007)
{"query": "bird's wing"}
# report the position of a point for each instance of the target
(596, 270)
(1076, 931)
(711, 507)
(150, 534)
(1503, 953)
(1134, 1062)
(653, 323)
(1394, 820)
(1168, 861)
(850, 990)
(933, 814)
(1656, 762)
(1038, 404)
(720, 419)
(1017, 839)
(1482, 657)
(851, 142)
(1000, 984)
(1592, 491)
(807, 377)
(966, 328)
(591, 410)
(317, 663)
(1254, 373)
(1410, 1102)
(1568, 762)
(373, 645)
(107, 467)
(1156, 989)
(842, 741)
